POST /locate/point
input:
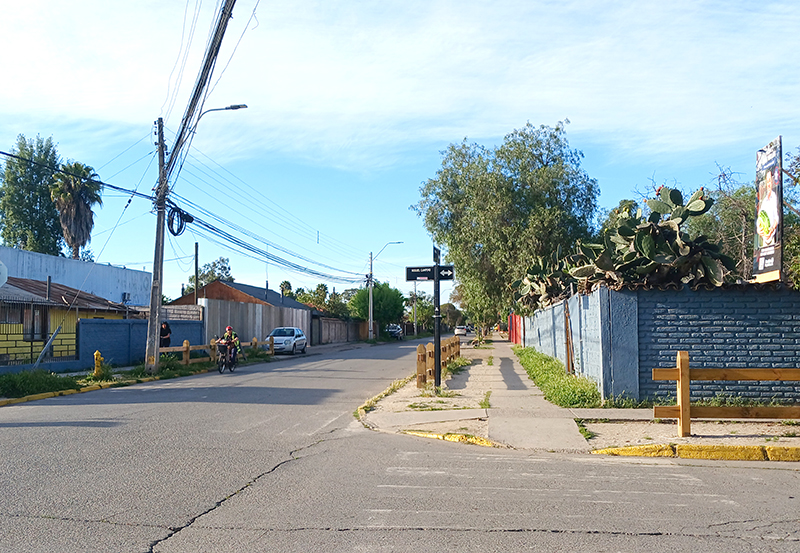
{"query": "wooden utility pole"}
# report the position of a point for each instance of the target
(154, 318)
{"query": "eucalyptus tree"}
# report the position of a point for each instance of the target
(495, 209)
(29, 218)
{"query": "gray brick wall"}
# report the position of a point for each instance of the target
(748, 326)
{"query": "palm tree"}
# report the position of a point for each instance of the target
(75, 190)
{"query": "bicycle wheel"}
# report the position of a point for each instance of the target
(221, 364)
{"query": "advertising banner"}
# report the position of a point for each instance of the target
(769, 213)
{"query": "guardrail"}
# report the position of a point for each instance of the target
(186, 349)
(684, 412)
(451, 348)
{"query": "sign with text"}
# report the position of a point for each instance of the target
(446, 272)
(769, 213)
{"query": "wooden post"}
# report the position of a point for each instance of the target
(272, 345)
(421, 365)
(186, 352)
(684, 391)
(429, 363)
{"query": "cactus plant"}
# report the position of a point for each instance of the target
(651, 250)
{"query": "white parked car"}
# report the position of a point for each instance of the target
(287, 339)
(461, 331)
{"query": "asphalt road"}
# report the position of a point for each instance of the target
(270, 458)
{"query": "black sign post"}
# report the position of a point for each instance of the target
(437, 322)
(435, 273)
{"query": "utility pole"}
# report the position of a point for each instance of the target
(154, 318)
(165, 168)
(369, 278)
(196, 272)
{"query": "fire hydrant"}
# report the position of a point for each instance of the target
(98, 364)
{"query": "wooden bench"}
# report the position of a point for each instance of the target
(684, 412)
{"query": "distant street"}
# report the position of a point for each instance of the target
(270, 458)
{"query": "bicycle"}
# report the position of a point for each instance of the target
(225, 356)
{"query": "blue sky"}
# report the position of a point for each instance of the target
(351, 102)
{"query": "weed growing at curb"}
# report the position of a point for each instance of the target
(585, 432)
(370, 404)
(484, 404)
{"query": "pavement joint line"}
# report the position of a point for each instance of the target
(711, 452)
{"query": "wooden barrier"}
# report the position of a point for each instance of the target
(422, 377)
(450, 349)
(684, 412)
(186, 350)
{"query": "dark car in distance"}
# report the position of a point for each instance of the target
(394, 331)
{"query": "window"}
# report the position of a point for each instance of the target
(11, 313)
(36, 323)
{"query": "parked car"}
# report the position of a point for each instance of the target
(287, 339)
(461, 331)
(395, 331)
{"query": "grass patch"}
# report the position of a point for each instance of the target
(484, 404)
(549, 375)
(26, 383)
(456, 366)
(490, 361)
(624, 402)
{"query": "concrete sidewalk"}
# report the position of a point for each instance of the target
(520, 417)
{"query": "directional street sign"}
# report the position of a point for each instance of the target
(446, 272)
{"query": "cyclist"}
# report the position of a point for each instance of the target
(234, 347)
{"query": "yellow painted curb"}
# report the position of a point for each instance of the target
(725, 452)
(452, 437)
(43, 395)
(777, 453)
(714, 452)
(649, 450)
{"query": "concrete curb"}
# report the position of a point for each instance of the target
(715, 452)
(453, 437)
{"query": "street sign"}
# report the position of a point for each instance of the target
(446, 272)
(419, 273)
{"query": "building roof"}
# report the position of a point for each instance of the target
(216, 290)
(35, 291)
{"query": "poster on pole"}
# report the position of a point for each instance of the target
(769, 213)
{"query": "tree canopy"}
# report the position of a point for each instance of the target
(387, 304)
(29, 217)
(495, 209)
(74, 191)
(216, 270)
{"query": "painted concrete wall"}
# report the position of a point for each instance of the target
(121, 343)
(740, 327)
(101, 280)
(620, 336)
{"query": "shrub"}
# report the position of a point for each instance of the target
(39, 381)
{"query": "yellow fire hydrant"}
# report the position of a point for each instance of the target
(98, 364)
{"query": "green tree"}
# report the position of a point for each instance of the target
(216, 270)
(496, 209)
(74, 191)
(29, 216)
(424, 308)
(387, 304)
(315, 298)
(286, 289)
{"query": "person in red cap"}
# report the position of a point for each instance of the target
(232, 338)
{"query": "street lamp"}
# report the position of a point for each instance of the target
(164, 169)
(369, 279)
